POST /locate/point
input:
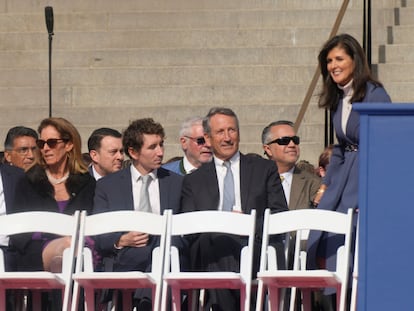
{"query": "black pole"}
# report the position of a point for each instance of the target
(49, 26)
(367, 32)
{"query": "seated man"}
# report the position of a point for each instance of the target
(255, 184)
(196, 149)
(143, 142)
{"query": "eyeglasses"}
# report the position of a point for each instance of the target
(198, 140)
(285, 140)
(51, 142)
(25, 150)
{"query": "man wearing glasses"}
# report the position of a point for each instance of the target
(20, 147)
(281, 145)
(196, 149)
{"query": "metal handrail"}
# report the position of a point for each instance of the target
(316, 75)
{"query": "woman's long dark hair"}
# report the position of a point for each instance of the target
(331, 94)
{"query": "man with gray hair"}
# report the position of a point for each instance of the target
(195, 147)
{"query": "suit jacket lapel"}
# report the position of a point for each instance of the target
(125, 185)
(211, 184)
(245, 179)
(296, 188)
(164, 190)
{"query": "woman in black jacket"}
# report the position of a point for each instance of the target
(60, 183)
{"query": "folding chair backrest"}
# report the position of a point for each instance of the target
(52, 223)
(45, 222)
(123, 221)
(302, 221)
(212, 221)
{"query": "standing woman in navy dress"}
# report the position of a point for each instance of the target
(346, 80)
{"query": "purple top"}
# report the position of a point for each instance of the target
(38, 235)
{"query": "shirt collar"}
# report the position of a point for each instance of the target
(136, 175)
(233, 159)
(188, 167)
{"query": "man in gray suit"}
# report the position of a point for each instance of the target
(281, 145)
(143, 142)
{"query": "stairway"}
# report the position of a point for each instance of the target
(115, 61)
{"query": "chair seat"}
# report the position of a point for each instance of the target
(129, 279)
(301, 279)
(205, 280)
(31, 280)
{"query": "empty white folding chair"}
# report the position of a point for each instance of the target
(305, 219)
(119, 221)
(208, 222)
(45, 222)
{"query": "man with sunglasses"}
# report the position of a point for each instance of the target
(20, 147)
(281, 145)
(196, 149)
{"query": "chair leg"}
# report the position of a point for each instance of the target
(36, 300)
(176, 298)
(273, 296)
(306, 300)
(126, 300)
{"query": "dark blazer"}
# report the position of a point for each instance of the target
(114, 192)
(38, 195)
(10, 176)
(260, 188)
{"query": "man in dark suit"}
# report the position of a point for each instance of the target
(256, 186)
(143, 142)
(10, 176)
(106, 152)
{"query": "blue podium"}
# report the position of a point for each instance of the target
(386, 205)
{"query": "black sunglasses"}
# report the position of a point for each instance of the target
(285, 140)
(51, 142)
(198, 140)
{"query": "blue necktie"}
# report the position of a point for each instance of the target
(228, 189)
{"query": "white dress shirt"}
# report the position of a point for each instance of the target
(221, 173)
(287, 183)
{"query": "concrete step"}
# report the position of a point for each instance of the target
(264, 75)
(402, 34)
(405, 15)
(408, 3)
(398, 53)
(401, 72)
(160, 57)
(179, 20)
(401, 91)
(168, 5)
(231, 38)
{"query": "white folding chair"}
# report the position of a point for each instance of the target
(45, 222)
(208, 222)
(305, 219)
(119, 221)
